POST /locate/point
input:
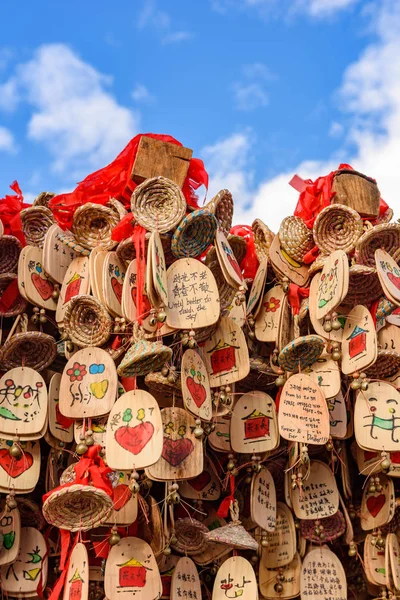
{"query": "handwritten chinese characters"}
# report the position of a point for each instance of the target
(322, 576)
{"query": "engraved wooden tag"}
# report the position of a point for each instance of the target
(56, 255)
(220, 438)
(333, 283)
(204, 487)
(134, 437)
(254, 426)
(269, 315)
(88, 385)
(185, 580)
(60, 427)
(10, 525)
(282, 541)
(326, 374)
(226, 354)
(37, 285)
(376, 416)
(235, 578)
(76, 282)
(263, 500)
(322, 576)
(228, 262)
(289, 578)
(359, 343)
(159, 269)
(76, 585)
(389, 275)
(23, 402)
(377, 507)
(112, 282)
(125, 503)
(196, 390)
(374, 561)
(257, 289)
(319, 496)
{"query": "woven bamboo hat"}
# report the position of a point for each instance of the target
(194, 234)
(191, 536)
(10, 248)
(225, 290)
(126, 250)
(158, 204)
(385, 236)
(364, 286)
(233, 534)
(222, 207)
(295, 237)
(87, 322)
(386, 365)
(68, 240)
(334, 527)
(263, 238)
(93, 224)
(143, 357)
(337, 227)
(301, 353)
(43, 199)
(32, 349)
(36, 221)
(159, 384)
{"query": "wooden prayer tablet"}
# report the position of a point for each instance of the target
(204, 487)
(374, 561)
(112, 282)
(257, 289)
(96, 261)
(159, 269)
(98, 426)
(220, 438)
(10, 526)
(134, 437)
(88, 385)
(226, 354)
(377, 417)
(237, 312)
(322, 576)
(37, 285)
(20, 474)
(359, 343)
(156, 158)
(334, 335)
(389, 275)
(76, 586)
(286, 265)
(289, 579)
(128, 304)
(389, 338)
(263, 500)
(149, 280)
(319, 496)
(333, 283)
(282, 541)
(269, 315)
(30, 567)
(394, 317)
(326, 373)
(389, 582)
(195, 384)
(254, 426)
(23, 402)
(303, 412)
(229, 265)
(76, 282)
(185, 580)
(193, 298)
(235, 578)
(338, 416)
(132, 571)
(56, 255)
(124, 502)
(377, 508)
(182, 452)
(60, 427)
(392, 544)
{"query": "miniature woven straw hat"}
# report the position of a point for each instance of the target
(86, 322)
(337, 227)
(364, 286)
(43, 199)
(71, 242)
(93, 224)
(233, 534)
(334, 527)
(158, 204)
(157, 383)
(301, 353)
(77, 507)
(222, 207)
(317, 265)
(263, 238)
(32, 349)
(144, 357)
(10, 248)
(35, 223)
(190, 536)
(126, 250)
(194, 234)
(387, 364)
(295, 237)
(19, 304)
(385, 218)
(385, 236)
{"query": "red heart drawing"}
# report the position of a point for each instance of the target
(44, 287)
(201, 481)
(14, 467)
(375, 504)
(63, 422)
(121, 496)
(134, 439)
(394, 279)
(197, 391)
(117, 287)
(175, 451)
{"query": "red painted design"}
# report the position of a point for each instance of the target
(197, 391)
(15, 467)
(375, 504)
(44, 287)
(176, 451)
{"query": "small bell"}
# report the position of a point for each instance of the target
(114, 538)
(280, 381)
(11, 501)
(328, 324)
(173, 539)
(81, 448)
(278, 587)
(89, 441)
(199, 431)
(285, 284)
(42, 317)
(336, 325)
(167, 551)
(161, 316)
(15, 451)
(164, 371)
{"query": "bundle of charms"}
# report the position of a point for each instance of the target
(194, 410)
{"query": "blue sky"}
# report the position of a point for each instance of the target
(260, 89)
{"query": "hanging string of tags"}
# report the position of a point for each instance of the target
(194, 410)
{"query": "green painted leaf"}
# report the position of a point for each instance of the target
(7, 414)
(9, 539)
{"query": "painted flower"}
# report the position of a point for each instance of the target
(272, 305)
(77, 372)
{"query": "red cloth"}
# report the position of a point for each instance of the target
(10, 209)
(249, 264)
(295, 295)
(224, 507)
(114, 181)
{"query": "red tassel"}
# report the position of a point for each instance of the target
(223, 510)
(139, 239)
(294, 296)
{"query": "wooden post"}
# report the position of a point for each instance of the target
(357, 191)
(155, 158)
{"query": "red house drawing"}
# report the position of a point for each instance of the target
(223, 358)
(358, 341)
(73, 287)
(256, 425)
(75, 589)
(132, 574)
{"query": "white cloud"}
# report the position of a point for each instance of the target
(323, 8)
(249, 96)
(9, 96)
(258, 70)
(140, 93)
(271, 8)
(370, 95)
(75, 116)
(157, 19)
(7, 142)
(336, 130)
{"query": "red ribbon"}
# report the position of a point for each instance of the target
(224, 507)
(10, 209)
(139, 240)
(64, 562)
(249, 264)
(295, 294)
(114, 181)
(9, 296)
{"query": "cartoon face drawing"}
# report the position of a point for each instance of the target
(386, 420)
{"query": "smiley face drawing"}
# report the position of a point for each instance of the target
(387, 420)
